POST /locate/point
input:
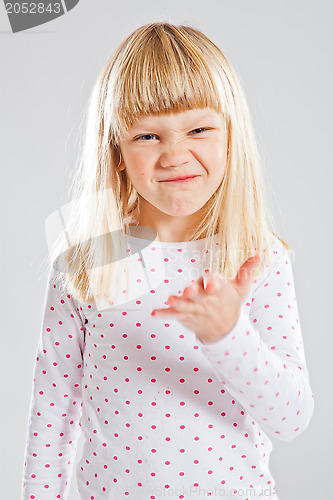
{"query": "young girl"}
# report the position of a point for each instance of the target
(170, 332)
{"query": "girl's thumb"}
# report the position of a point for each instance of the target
(244, 276)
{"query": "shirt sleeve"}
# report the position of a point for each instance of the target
(261, 361)
(55, 408)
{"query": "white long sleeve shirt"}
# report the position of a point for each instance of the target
(162, 413)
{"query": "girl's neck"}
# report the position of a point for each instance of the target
(170, 230)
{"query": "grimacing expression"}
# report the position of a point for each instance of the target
(157, 148)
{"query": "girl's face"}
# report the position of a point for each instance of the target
(161, 147)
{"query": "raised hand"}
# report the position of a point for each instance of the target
(211, 312)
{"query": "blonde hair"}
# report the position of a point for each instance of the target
(162, 68)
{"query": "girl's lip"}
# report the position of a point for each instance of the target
(181, 179)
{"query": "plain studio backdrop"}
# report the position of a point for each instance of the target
(282, 52)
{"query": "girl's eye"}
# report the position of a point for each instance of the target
(200, 129)
(146, 135)
(195, 131)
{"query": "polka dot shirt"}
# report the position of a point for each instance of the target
(163, 414)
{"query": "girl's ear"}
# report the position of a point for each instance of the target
(121, 164)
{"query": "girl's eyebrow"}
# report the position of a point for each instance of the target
(147, 124)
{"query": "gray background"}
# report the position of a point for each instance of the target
(282, 51)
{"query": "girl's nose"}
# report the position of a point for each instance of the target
(174, 154)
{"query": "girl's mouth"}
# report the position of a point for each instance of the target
(182, 179)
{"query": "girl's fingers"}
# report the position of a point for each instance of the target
(215, 282)
(179, 304)
(200, 283)
(194, 293)
(201, 287)
(212, 287)
(190, 291)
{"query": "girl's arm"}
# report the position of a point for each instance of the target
(55, 407)
(261, 361)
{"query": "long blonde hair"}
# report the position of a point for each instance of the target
(162, 68)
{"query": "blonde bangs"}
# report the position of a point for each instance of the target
(162, 73)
